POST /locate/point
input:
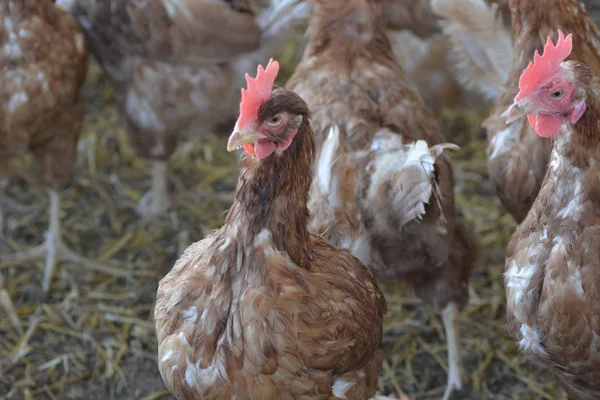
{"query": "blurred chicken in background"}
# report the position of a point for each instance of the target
(177, 66)
(424, 53)
(43, 58)
(376, 138)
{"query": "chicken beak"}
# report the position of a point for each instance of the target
(241, 137)
(514, 113)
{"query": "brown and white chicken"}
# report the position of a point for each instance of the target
(176, 66)
(552, 276)
(517, 157)
(262, 308)
(403, 180)
(43, 59)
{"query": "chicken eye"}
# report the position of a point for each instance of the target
(275, 120)
(557, 94)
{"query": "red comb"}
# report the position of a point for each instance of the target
(258, 91)
(544, 65)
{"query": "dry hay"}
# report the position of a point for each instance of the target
(93, 337)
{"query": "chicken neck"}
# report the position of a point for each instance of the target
(272, 194)
(577, 145)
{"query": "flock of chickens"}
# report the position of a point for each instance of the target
(345, 178)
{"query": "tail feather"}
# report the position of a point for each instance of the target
(403, 182)
(482, 45)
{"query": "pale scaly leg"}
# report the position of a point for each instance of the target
(450, 316)
(54, 250)
(156, 201)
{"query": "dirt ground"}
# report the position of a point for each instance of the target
(93, 337)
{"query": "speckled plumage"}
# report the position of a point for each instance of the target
(404, 182)
(43, 59)
(354, 82)
(552, 266)
(517, 157)
(263, 309)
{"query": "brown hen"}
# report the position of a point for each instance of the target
(517, 158)
(176, 66)
(261, 308)
(552, 266)
(404, 182)
(43, 58)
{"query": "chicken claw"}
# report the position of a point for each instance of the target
(9, 307)
(9, 204)
(54, 250)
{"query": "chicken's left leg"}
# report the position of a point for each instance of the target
(156, 201)
(450, 315)
(9, 307)
(53, 250)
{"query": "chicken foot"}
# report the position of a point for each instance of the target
(9, 307)
(450, 316)
(156, 201)
(53, 250)
(11, 205)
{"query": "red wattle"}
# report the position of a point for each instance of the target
(544, 125)
(264, 149)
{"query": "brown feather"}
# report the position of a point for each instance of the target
(43, 60)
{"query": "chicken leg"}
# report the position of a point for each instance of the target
(450, 316)
(9, 307)
(53, 250)
(156, 201)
